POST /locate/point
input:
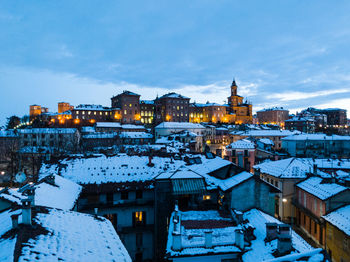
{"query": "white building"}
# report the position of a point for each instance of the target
(168, 128)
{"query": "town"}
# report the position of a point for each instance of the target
(170, 179)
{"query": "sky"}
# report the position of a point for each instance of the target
(293, 54)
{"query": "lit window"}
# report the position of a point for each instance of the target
(83, 112)
(106, 113)
(130, 105)
(100, 113)
(89, 112)
(95, 113)
(139, 218)
(206, 197)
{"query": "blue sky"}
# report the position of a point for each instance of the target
(282, 53)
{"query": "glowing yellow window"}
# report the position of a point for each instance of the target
(206, 197)
(139, 218)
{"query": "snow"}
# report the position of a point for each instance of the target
(47, 131)
(179, 125)
(92, 107)
(265, 133)
(174, 95)
(340, 218)
(206, 104)
(315, 137)
(193, 239)
(71, 236)
(266, 141)
(108, 124)
(135, 135)
(181, 173)
(314, 256)
(100, 135)
(261, 252)
(241, 144)
(286, 168)
(130, 126)
(7, 133)
(316, 187)
(147, 102)
(234, 180)
(11, 195)
(62, 195)
(7, 246)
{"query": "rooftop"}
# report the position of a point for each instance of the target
(179, 125)
(315, 137)
(340, 218)
(174, 95)
(59, 235)
(241, 144)
(318, 187)
(265, 133)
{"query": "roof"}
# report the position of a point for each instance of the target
(135, 135)
(265, 133)
(179, 125)
(261, 251)
(101, 135)
(47, 131)
(316, 186)
(92, 107)
(235, 180)
(148, 102)
(286, 168)
(59, 193)
(267, 141)
(59, 235)
(11, 195)
(136, 127)
(129, 93)
(241, 144)
(174, 95)
(108, 124)
(7, 133)
(206, 104)
(192, 226)
(273, 109)
(340, 218)
(315, 137)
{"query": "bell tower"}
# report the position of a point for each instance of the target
(233, 88)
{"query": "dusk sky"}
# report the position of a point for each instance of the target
(293, 54)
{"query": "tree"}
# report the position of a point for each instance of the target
(12, 122)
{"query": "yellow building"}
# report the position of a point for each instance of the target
(243, 111)
(338, 234)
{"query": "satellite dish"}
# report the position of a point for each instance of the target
(20, 177)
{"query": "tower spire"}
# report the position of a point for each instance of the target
(233, 88)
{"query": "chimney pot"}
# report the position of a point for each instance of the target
(208, 235)
(26, 212)
(239, 238)
(177, 245)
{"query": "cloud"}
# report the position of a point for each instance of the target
(296, 95)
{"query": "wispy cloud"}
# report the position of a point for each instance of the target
(292, 96)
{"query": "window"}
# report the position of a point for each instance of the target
(346, 244)
(304, 199)
(139, 218)
(124, 195)
(138, 194)
(206, 197)
(93, 199)
(113, 219)
(315, 228)
(276, 183)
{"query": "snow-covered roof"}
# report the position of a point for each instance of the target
(192, 226)
(135, 135)
(182, 172)
(100, 135)
(88, 129)
(286, 168)
(261, 251)
(273, 109)
(147, 102)
(179, 125)
(318, 187)
(129, 93)
(136, 127)
(47, 131)
(300, 119)
(265, 133)
(206, 104)
(235, 180)
(174, 95)
(58, 235)
(266, 141)
(108, 124)
(11, 195)
(340, 218)
(315, 137)
(7, 133)
(92, 107)
(241, 144)
(59, 193)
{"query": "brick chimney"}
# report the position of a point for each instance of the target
(26, 212)
(271, 231)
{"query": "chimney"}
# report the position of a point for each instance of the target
(50, 179)
(284, 244)
(239, 238)
(315, 169)
(96, 210)
(31, 195)
(177, 245)
(26, 212)
(271, 231)
(208, 235)
(14, 219)
(150, 160)
(284, 230)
